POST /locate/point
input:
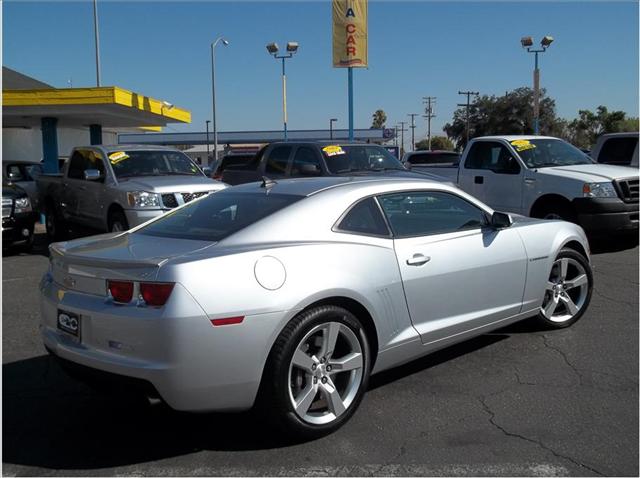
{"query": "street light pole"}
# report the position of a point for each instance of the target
(213, 93)
(331, 127)
(527, 42)
(272, 48)
(97, 36)
(207, 121)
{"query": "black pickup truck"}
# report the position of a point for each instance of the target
(307, 159)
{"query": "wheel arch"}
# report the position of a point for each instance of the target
(576, 246)
(545, 201)
(113, 207)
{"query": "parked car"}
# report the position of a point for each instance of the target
(230, 160)
(547, 177)
(617, 148)
(23, 174)
(311, 159)
(18, 216)
(289, 294)
(113, 188)
(415, 160)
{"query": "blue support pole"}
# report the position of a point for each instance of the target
(350, 70)
(95, 134)
(536, 97)
(49, 144)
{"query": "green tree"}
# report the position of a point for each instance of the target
(629, 125)
(437, 142)
(585, 129)
(379, 119)
(511, 113)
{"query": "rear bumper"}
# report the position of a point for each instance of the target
(192, 365)
(606, 215)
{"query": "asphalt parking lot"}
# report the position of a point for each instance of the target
(520, 401)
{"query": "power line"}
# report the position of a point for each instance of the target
(430, 102)
(402, 130)
(467, 105)
(413, 129)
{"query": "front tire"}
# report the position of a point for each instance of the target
(118, 222)
(56, 227)
(568, 291)
(317, 372)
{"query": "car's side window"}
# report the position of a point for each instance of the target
(277, 160)
(14, 173)
(76, 166)
(618, 151)
(424, 213)
(364, 218)
(491, 156)
(305, 163)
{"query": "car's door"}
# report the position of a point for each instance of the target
(493, 174)
(90, 207)
(458, 274)
(306, 162)
(72, 187)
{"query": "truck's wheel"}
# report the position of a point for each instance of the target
(118, 222)
(560, 211)
(55, 225)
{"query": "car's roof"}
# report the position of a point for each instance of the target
(311, 186)
(130, 147)
(326, 142)
(630, 134)
(514, 137)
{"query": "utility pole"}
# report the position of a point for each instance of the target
(430, 102)
(97, 37)
(467, 105)
(413, 129)
(402, 130)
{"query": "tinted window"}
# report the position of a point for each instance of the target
(305, 163)
(364, 218)
(344, 159)
(491, 156)
(14, 173)
(277, 160)
(218, 215)
(434, 158)
(33, 171)
(133, 163)
(618, 151)
(93, 160)
(424, 213)
(76, 166)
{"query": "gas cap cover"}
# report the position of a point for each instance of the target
(270, 273)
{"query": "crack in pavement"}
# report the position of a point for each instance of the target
(492, 420)
(564, 357)
(606, 297)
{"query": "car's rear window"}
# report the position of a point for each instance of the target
(218, 215)
(434, 158)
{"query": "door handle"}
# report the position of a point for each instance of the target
(418, 260)
(529, 181)
(478, 180)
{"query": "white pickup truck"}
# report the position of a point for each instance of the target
(547, 177)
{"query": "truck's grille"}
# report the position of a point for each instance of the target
(174, 200)
(190, 196)
(627, 189)
(169, 200)
(7, 205)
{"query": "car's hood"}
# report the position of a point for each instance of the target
(170, 184)
(590, 172)
(126, 250)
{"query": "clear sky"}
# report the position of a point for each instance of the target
(161, 49)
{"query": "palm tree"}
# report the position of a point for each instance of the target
(379, 119)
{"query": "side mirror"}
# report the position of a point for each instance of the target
(207, 170)
(407, 165)
(309, 170)
(500, 220)
(92, 175)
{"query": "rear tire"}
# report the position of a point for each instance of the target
(568, 291)
(118, 222)
(317, 373)
(56, 227)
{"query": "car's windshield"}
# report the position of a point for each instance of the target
(218, 215)
(366, 157)
(542, 153)
(131, 163)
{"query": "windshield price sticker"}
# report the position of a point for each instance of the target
(333, 150)
(522, 144)
(118, 156)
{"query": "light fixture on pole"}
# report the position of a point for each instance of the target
(527, 42)
(331, 127)
(213, 92)
(207, 122)
(292, 48)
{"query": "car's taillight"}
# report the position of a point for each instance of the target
(121, 291)
(156, 293)
(227, 321)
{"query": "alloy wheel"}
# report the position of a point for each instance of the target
(566, 291)
(325, 373)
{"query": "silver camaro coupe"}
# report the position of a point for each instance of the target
(289, 295)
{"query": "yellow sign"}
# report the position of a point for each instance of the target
(118, 156)
(333, 150)
(522, 144)
(350, 41)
